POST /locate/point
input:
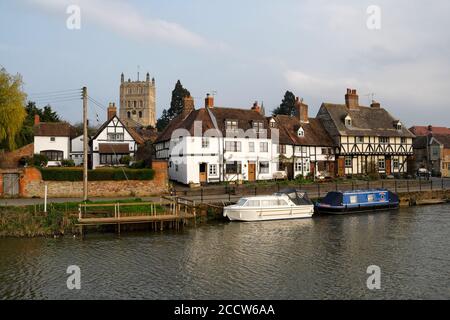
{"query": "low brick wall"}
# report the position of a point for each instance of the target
(31, 185)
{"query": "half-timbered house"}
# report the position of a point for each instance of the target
(369, 139)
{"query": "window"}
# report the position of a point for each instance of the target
(213, 169)
(251, 147)
(140, 114)
(384, 140)
(53, 155)
(359, 139)
(353, 199)
(176, 167)
(301, 132)
(272, 123)
(298, 166)
(233, 167)
(111, 159)
(370, 198)
(115, 136)
(205, 142)
(52, 139)
(348, 162)
(381, 164)
(264, 167)
(282, 149)
(231, 125)
(233, 146)
(395, 163)
(348, 121)
(263, 147)
(326, 151)
(129, 114)
(403, 140)
(258, 126)
(253, 203)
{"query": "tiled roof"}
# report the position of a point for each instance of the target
(54, 129)
(444, 139)
(112, 148)
(424, 130)
(315, 133)
(366, 121)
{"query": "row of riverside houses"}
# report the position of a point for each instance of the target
(215, 144)
(112, 141)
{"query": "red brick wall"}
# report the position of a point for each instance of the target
(10, 160)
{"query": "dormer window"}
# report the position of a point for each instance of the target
(348, 121)
(258, 126)
(301, 132)
(398, 125)
(272, 123)
(231, 124)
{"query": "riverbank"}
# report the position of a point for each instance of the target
(62, 218)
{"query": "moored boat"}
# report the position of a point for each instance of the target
(357, 201)
(286, 204)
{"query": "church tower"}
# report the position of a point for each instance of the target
(138, 102)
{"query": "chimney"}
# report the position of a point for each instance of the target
(375, 104)
(209, 101)
(430, 128)
(37, 120)
(256, 107)
(188, 105)
(301, 110)
(352, 99)
(112, 110)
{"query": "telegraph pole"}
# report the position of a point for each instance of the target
(85, 146)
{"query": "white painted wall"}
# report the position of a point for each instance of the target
(60, 144)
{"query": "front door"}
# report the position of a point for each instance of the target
(388, 167)
(203, 173)
(251, 172)
(11, 184)
(341, 167)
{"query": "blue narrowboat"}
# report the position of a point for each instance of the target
(357, 201)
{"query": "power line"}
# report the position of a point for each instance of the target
(54, 92)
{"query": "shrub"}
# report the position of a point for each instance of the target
(68, 163)
(137, 164)
(76, 174)
(37, 160)
(126, 160)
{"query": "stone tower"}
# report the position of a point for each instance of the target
(138, 102)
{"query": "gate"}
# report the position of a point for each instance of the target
(11, 184)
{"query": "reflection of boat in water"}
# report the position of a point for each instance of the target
(357, 201)
(286, 204)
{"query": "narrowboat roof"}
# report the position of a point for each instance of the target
(362, 191)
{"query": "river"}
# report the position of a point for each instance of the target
(321, 258)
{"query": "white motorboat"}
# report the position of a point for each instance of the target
(286, 204)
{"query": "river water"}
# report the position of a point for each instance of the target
(321, 258)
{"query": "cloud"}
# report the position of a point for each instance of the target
(124, 19)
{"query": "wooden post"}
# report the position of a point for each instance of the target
(85, 146)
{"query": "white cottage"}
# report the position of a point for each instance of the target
(214, 144)
(112, 142)
(52, 139)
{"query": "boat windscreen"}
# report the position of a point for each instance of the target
(299, 198)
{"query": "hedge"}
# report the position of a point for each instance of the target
(68, 174)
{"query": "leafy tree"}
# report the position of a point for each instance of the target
(176, 106)
(287, 106)
(25, 136)
(12, 108)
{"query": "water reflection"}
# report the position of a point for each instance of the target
(325, 257)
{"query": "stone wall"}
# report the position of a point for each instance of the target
(31, 185)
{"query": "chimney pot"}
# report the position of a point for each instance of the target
(352, 99)
(209, 101)
(301, 110)
(112, 111)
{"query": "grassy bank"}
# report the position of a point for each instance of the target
(61, 219)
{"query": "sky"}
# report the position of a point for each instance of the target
(243, 50)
